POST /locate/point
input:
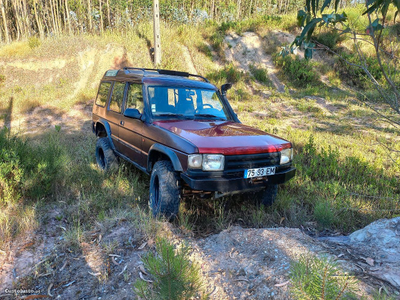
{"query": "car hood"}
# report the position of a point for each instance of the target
(224, 137)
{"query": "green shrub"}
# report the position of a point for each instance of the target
(11, 171)
(34, 42)
(228, 74)
(324, 214)
(298, 71)
(356, 76)
(260, 74)
(315, 278)
(27, 171)
(175, 276)
(329, 38)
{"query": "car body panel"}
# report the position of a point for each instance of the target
(224, 137)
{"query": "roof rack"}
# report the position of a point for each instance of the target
(168, 72)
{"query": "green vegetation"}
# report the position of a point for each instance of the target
(299, 72)
(319, 278)
(175, 276)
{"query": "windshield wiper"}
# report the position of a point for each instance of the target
(209, 116)
(178, 116)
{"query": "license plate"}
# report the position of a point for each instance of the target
(259, 172)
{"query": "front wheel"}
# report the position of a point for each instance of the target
(165, 190)
(105, 156)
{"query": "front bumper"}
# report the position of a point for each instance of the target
(226, 185)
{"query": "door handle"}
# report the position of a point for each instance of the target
(122, 122)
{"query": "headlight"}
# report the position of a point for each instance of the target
(207, 162)
(286, 156)
(213, 162)
(194, 161)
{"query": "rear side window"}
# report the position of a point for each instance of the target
(102, 96)
(117, 96)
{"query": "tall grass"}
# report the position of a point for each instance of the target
(27, 174)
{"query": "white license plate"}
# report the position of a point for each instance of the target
(259, 172)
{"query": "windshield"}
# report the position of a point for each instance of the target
(186, 103)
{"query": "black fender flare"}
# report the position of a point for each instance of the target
(108, 131)
(166, 151)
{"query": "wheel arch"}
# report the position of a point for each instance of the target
(160, 152)
(103, 129)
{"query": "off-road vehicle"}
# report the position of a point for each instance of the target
(184, 133)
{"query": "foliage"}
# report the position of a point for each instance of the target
(34, 42)
(11, 172)
(28, 171)
(260, 74)
(385, 45)
(329, 38)
(354, 75)
(298, 71)
(175, 276)
(319, 278)
(229, 74)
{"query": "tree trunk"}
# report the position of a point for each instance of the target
(37, 18)
(89, 15)
(53, 19)
(101, 17)
(17, 20)
(68, 17)
(108, 14)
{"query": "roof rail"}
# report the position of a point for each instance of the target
(168, 72)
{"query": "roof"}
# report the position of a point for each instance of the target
(159, 77)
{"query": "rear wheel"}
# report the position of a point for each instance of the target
(105, 156)
(165, 190)
(266, 196)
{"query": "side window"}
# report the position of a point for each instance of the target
(134, 98)
(102, 95)
(117, 96)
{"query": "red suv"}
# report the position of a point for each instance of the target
(184, 133)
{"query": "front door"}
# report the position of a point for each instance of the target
(130, 132)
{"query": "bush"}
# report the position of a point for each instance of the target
(11, 173)
(27, 171)
(356, 76)
(33, 42)
(260, 74)
(298, 71)
(229, 74)
(329, 38)
(175, 276)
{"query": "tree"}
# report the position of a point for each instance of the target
(386, 47)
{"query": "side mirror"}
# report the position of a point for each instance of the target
(225, 87)
(132, 113)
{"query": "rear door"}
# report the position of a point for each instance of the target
(131, 130)
(113, 114)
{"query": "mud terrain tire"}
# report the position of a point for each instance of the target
(165, 190)
(268, 195)
(105, 156)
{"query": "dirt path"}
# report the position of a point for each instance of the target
(247, 50)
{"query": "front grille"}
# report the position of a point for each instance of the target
(235, 163)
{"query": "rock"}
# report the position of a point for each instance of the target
(381, 234)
